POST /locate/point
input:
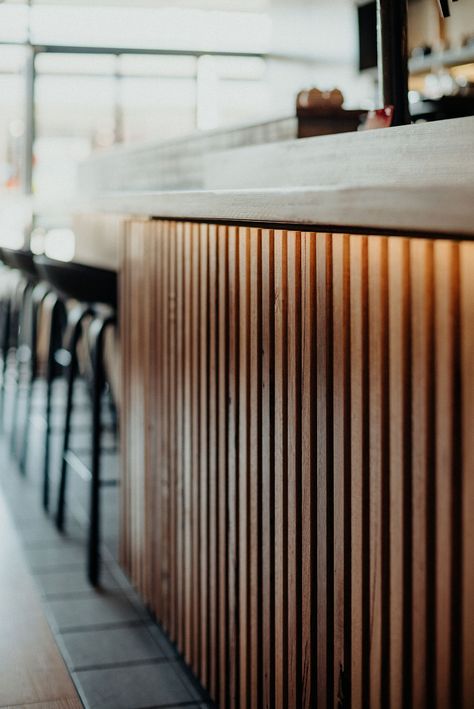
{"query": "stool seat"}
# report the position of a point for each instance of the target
(22, 260)
(86, 284)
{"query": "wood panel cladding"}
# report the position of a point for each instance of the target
(298, 460)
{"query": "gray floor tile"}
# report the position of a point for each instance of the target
(46, 534)
(38, 537)
(70, 554)
(167, 647)
(111, 646)
(93, 629)
(139, 686)
(71, 582)
(95, 609)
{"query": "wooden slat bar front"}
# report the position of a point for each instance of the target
(298, 480)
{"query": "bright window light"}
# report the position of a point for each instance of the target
(12, 59)
(13, 23)
(75, 64)
(241, 68)
(171, 66)
(155, 28)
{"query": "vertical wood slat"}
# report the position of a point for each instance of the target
(342, 478)
(222, 471)
(196, 324)
(162, 592)
(254, 479)
(294, 463)
(466, 492)
(297, 460)
(124, 292)
(188, 440)
(280, 470)
(379, 511)
(267, 455)
(204, 450)
(172, 413)
(324, 463)
(446, 310)
(422, 464)
(243, 466)
(359, 472)
(308, 471)
(213, 462)
(232, 669)
(399, 445)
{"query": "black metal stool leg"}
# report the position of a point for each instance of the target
(57, 314)
(39, 294)
(96, 333)
(5, 345)
(73, 334)
(19, 322)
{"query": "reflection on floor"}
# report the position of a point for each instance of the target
(118, 657)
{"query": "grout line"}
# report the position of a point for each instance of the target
(72, 595)
(52, 544)
(125, 664)
(38, 570)
(101, 626)
(180, 705)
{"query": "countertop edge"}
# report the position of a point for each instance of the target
(433, 208)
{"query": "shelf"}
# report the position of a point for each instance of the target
(452, 57)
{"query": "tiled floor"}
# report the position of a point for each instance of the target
(117, 655)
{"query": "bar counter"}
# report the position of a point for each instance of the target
(297, 404)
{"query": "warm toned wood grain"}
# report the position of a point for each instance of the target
(32, 671)
(358, 323)
(293, 339)
(222, 471)
(181, 441)
(378, 461)
(281, 462)
(55, 704)
(162, 384)
(467, 481)
(233, 470)
(267, 443)
(195, 383)
(399, 443)
(123, 305)
(213, 580)
(446, 347)
(188, 439)
(254, 480)
(172, 412)
(421, 273)
(204, 448)
(324, 467)
(308, 469)
(243, 492)
(341, 435)
(296, 438)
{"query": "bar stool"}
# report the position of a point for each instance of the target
(34, 295)
(95, 291)
(6, 330)
(10, 320)
(18, 327)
